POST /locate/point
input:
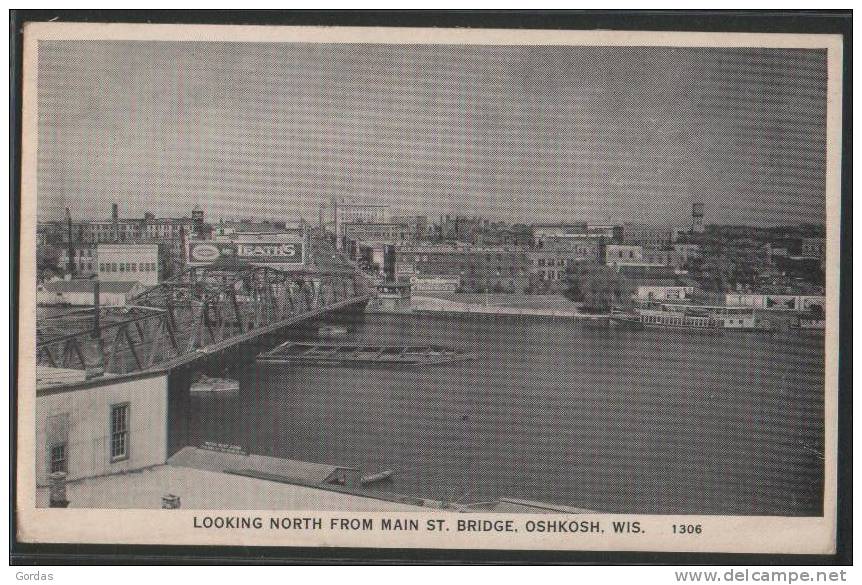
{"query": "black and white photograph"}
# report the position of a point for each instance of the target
(574, 288)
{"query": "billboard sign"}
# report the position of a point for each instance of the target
(209, 252)
(271, 253)
(275, 252)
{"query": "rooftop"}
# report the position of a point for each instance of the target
(66, 286)
(201, 489)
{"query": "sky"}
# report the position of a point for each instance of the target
(519, 133)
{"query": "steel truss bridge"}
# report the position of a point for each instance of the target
(202, 311)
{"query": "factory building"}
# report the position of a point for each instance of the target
(142, 263)
(480, 269)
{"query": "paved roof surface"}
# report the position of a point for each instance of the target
(62, 286)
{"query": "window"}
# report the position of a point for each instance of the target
(58, 458)
(134, 266)
(119, 431)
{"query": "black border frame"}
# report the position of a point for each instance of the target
(825, 22)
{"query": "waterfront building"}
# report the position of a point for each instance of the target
(99, 427)
(800, 303)
(480, 269)
(393, 296)
(435, 284)
(551, 263)
(144, 263)
(663, 293)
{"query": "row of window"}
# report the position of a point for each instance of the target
(118, 440)
(127, 267)
(676, 321)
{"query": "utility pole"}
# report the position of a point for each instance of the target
(70, 246)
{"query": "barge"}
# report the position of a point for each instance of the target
(346, 354)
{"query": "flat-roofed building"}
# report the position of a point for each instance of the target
(80, 292)
(480, 269)
(142, 263)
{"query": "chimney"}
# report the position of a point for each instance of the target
(170, 502)
(115, 217)
(57, 490)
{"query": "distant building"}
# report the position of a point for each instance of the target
(80, 292)
(83, 258)
(417, 225)
(389, 233)
(619, 254)
(550, 263)
(559, 233)
(663, 293)
(357, 213)
(814, 248)
(393, 296)
(435, 284)
(480, 269)
(142, 263)
(641, 234)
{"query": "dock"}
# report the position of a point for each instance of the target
(346, 354)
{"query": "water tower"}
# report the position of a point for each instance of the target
(697, 218)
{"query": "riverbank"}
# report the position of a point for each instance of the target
(554, 306)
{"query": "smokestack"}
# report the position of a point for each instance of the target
(115, 217)
(70, 246)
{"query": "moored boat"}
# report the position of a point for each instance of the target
(207, 385)
(659, 319)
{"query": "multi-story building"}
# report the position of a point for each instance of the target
(357, 213)
(619, 254)
(417, 225)
(387, 233)
(141, 263)
(559, 234)
(551, 262)
(641, 234)
(480, 269)
(83, 258)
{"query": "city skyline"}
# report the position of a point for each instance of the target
(523, 134)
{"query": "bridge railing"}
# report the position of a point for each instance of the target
(198, 308)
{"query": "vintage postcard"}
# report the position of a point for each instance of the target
(437, 288)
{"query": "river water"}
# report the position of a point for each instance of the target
(552, 410)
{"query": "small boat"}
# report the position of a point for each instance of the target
(375, 477)
(207, 385)
(331, 331)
